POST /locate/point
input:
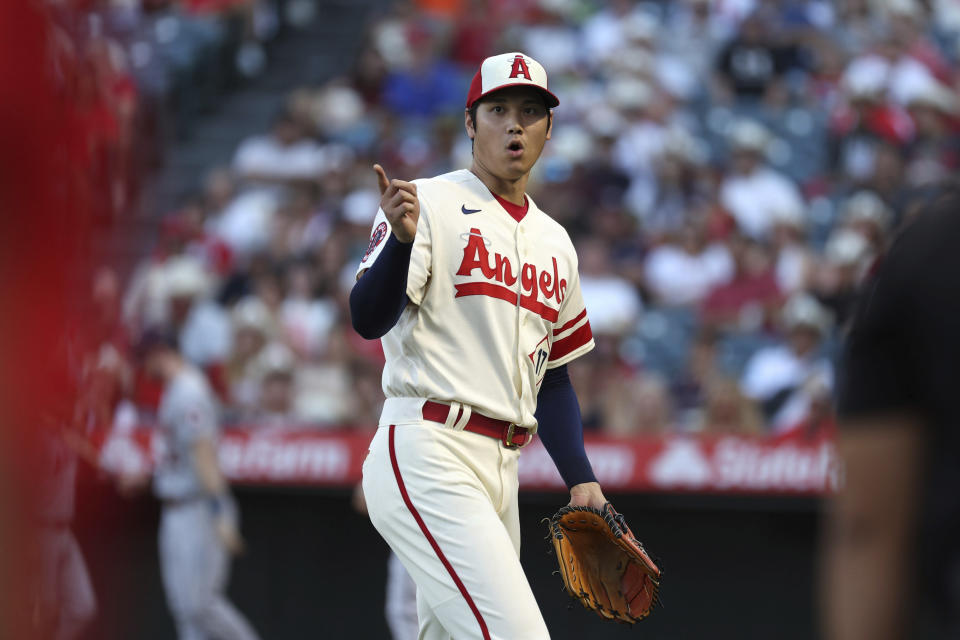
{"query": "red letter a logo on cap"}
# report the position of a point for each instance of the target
(520, 68)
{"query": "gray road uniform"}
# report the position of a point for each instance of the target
(64, 584)
(194, 564)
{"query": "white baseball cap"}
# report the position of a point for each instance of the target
(866, 206)
(509, 70)
(184, 276)
(803, 310)
(749, 135)
(846, 248)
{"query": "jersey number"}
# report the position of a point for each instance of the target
(541, 360)
(540, 356)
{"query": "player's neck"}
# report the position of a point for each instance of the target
(172, 366)
(510, 190)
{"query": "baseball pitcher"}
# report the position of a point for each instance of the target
(475, 293)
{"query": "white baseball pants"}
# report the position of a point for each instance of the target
(446, 502)
(401, 601)
(195, 567)
(65, 585)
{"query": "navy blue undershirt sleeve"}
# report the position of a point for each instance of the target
(560, 427)
(380, 295)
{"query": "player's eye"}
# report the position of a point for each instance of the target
(497, 108)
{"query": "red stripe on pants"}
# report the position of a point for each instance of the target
(430, 538)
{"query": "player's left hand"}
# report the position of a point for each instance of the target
(587, 494)
(130, 484)
(229, 535)
(359, 501)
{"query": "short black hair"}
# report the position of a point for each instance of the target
(472, 112)
(157, 337)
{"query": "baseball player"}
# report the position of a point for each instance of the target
(66, 601)
(198, 524)
(475, 293)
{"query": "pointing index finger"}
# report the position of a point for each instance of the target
(382, 180)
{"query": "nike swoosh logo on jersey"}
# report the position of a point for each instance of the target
(463, 208)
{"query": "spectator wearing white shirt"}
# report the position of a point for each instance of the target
(846, 260)
(552, 40)
(146, 301)
(612, 302)
(865, 213)
(300, 224)
(788, 380)
(694, 35)
(253, 329)
(664, 199)
(603, 32)
(285, 154)
(307, 320)
(203, 327)
(682, 271)
(275, 367)
(753, 192)
(794, 261)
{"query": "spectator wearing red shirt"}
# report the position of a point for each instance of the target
(474, 35)
(749, 299)
(934, 152)
(864, 120)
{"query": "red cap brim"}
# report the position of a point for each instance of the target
(476, 91)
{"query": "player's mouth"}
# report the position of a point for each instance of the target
(515, 149)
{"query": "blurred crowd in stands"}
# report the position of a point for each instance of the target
(148, 68)
(730, 172)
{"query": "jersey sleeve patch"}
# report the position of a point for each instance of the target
(378, 236)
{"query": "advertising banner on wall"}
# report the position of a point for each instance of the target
(794, 463)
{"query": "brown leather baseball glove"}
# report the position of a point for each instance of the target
(602, 564)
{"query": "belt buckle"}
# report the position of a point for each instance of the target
(508, 438)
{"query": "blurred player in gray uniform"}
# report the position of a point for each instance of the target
(199, 521)
(65, 599)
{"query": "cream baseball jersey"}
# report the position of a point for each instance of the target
(494, 303)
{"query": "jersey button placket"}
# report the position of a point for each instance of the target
(522, 314)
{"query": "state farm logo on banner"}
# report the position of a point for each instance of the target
(614, 465)
(284, 458)
(681, 465)
(744, 464)
(793, 463)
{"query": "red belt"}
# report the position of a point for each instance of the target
(506, 432)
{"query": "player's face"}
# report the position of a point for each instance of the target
(511, 128)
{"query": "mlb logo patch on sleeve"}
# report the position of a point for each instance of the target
(375, 239)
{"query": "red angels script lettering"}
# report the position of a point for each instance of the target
(475, 256)
(559, 286)
(533, 282)
(519, 68)
(528, 280)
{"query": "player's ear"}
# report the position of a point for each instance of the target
(549, 123)
(468, 123)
